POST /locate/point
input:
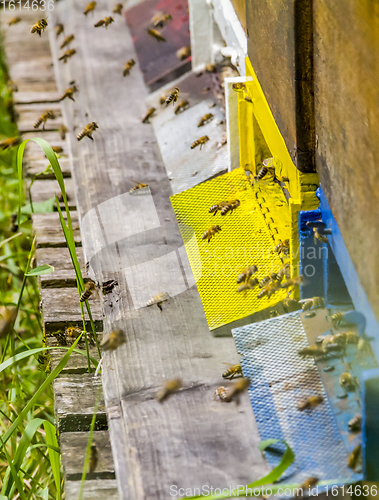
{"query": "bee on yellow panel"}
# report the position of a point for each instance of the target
(200, 142)
(209, 233)
(249, 285)
(104, 22)
(128, 66)
(68, 39)
(246, 274)
(67, 55)
(46, 115)
(168, 389)
(155, 34)
(172, 97)
(87, 131)
(118, 8)
(14, 20)
(90, 8)
(182, 106)
(149, 114)
(39, 26)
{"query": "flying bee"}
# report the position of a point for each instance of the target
(155, 34)
(93, 459)
(347, 381)
(168, 389)
(310, 402)
(158, 300)
(200, 142)
(69, 93)
(221, 394)
(12, 85)
(318, 236)
(63, 131)
(230, 207)
(9, 316)
(104, 22)
(89, 288)
(115, 339)
(354, 424)
(149, 114)
(249, 285)
(128, 66)
(47, 115)
(312, 351)
(118, 8)
(14, 20)
(246, 274)
(57, 149)
(354, 457)
(239, 87)
(232, 372)
(183, 53)
(205, 119)
(68, 39)
(172, 97)
(59, 29)
(234, 392)
(337, 318)
(9, 143)
(66, 56)
(90, 8)
(88, 131)
(181, 106)
(160, 20)
(209, 233)
(264, 281)
(138, 186)
(39, 26)
(283, 246)
(296, 281)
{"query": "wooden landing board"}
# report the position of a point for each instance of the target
(48, 230)
(73, 448)
(34, 167)
(77, 363)
(59, 258)
(93, 490)
(28, 115)
(43, 190)
(153, 446)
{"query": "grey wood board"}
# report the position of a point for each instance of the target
(161, 345)
(45, 189)
(25, 98)
(74, 398)
(73, 447)
(48, 230)
(34, 167)
(77, 363)
(93, 490)
(59, 258)
(29, 114)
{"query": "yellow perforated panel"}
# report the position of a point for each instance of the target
(248, 236)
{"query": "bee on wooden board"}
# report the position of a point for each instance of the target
(354, 457)
(221, 394)
(168, 389)
(158, 300)
(118, 8)
(104, 22)
(149, 114)
(59, 29)
(155, 34)
(200, 142)
(69, 93)
(354, 424)
(9, 143)
(90, 8)
(183, 53)
(89, 288)
(46, 115)
(249, 285)
(140, 185)
(246, 274)
(115, 339)
(239, 87)
(233, 371)
(209, 233)
(73, 331)
(161, 19)
(233, 393)
(63, 131)
(128, 66)
(93, 459)
(310, 402)
(87, 131)
(9, 316)
(39, 26)
(67, 55)
(181, 106)
(68, 39)
(14, 20)
(205, 119)
(172, 97)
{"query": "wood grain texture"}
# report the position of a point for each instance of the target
(77, 363)
(28, 115)
(48, 230)
(191, 440)
(93, 490)
(43, 190)
(346, 104)
(59, 258)
(34, 167)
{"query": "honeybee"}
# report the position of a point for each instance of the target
(69, 53)
(337, 318)
(155, 34)
(229, 207)
(205, 119)
(12, 85)
(239, 87)
(209, 233)
(104, 22)
(73, 331)
(59, 29)
(138, 186)
(44, 362)
(232, 372)
(268, 290)
(172, 96)
(210, 68)
(247, 273)
(9, 316)
(88, 131)
(89, 288)
(158, 300)
(347, 381)
(283, 272)
(354, 424)
(312, 351)
(182, 106)
(160, 20)
(39, 26)
(118, 8)
(262, 173)
(313, 302)
(310, 402)
(249, 285)
(128, 66)
(90, 7)
(200, 142)
(169, 388)
(292, 282)
(48, 114)
(318, 236)
(68, 39)
(354, 457)
(215, 208)
(291, 303)
(283, 246)
(57, 149)
(221, 394)
(308, 483)
(108, 286)
(183, 53)
(115, 339)
(234, 392)
(9, 143)
(149, 114)
(264, 281)
(93, 458)
(63, 131)
(14, 20)
(69, 93)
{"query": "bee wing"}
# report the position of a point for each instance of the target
(229, 364)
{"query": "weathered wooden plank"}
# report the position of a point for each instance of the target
(93, 490)
(74, 398)
(26, 98)
(73, 447)
(48, 230)
(34, 167)
(346, 103)
(61, 306)
(64, 273)
(43, 190)
(77, 363)
(28, 115)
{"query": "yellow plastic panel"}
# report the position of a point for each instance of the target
(245, 239)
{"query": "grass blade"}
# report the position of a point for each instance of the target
(51, 439)
(15, 476)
